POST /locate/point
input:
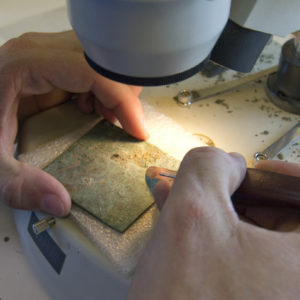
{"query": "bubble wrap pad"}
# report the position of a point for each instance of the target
(121, 249)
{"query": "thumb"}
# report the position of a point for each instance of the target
(201, 191)
(161, 192)
(26, 187)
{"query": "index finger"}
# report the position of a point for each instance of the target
(42, 71)
(78, 77)
(124, 103)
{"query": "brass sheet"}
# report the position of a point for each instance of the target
(104, 172)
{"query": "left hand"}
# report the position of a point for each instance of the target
(37, 71)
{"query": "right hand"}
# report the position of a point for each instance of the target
(275, 218)
(200, 248)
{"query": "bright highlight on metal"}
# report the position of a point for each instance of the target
(42, 225)
(280, 144)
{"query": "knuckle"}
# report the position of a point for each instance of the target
(29, 35)
(206, 158)
(11, 45)
(214, 157)
(205, 153)
(214, 168)
(18, 44)
(11, 193)
(238, 159)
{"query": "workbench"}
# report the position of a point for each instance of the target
(240, 120)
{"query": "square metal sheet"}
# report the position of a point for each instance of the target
(104, 172)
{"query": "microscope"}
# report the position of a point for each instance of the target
(158, 42)
(152, 43)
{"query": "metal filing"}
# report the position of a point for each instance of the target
(104, 257)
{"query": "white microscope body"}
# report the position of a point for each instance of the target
(152, 42)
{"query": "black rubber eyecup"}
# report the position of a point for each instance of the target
(145, 81)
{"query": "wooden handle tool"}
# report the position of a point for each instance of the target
(259, 187)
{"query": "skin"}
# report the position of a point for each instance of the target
(201, 248)
(37, 71)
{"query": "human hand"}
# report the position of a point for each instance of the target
(38, 71)
(201, 249)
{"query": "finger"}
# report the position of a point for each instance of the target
(161, 193)
(136, 89)
(204, 183)
(26, 187)
(70, 72)
(280, 219)
(214, 168)
(104, 112)
(239, 173)
(34, 104)
(274, 218)
(85, 102)
(124, 103)
(66, 40)
(277, 166)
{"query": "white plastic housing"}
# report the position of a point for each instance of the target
(148, 38)
(276, 17)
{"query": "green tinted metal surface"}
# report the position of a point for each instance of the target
(104, 172)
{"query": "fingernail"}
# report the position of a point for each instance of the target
(146, 131)
(151, 183)
(147, 134)
(53, 205)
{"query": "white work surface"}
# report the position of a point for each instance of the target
(242, 120)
